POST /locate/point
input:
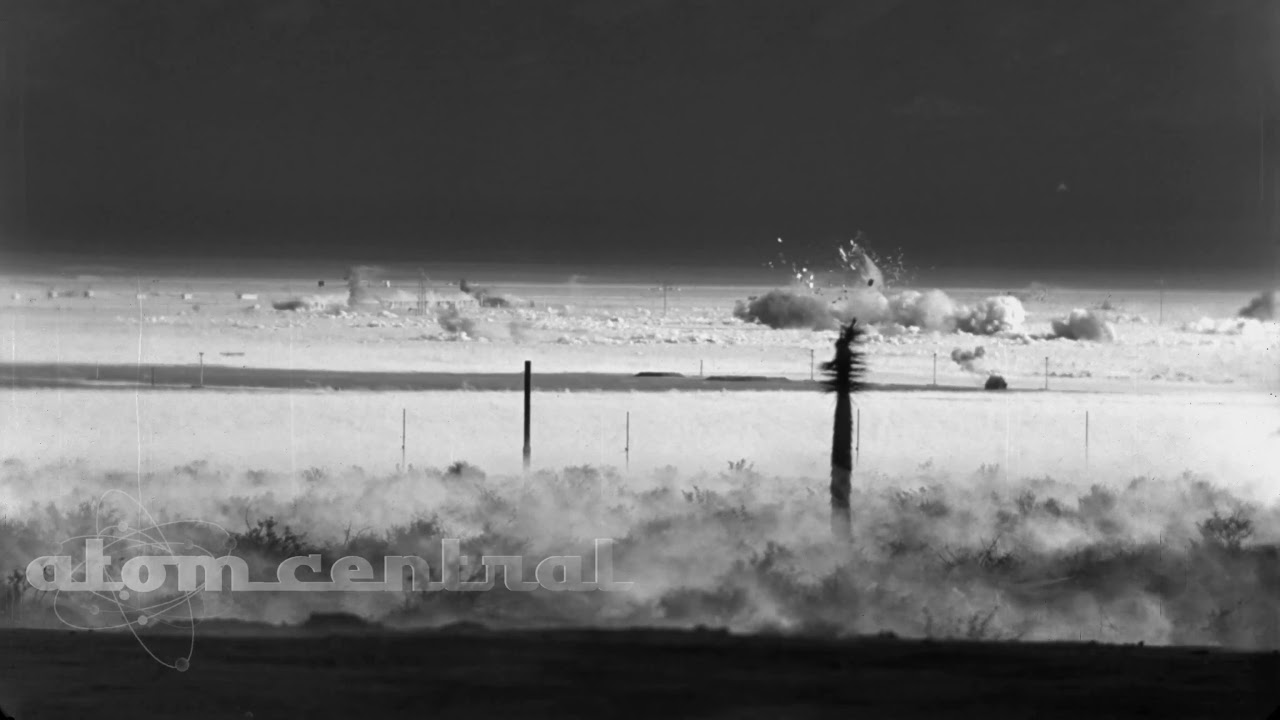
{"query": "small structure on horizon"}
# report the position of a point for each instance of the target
(246, 296)
(404, 302)
(188, 296)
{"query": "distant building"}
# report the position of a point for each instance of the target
(405, 302)
(246, 296)
(188, 296)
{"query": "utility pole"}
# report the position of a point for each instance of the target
(201, 369)
(422, 291)
(665, 287)
(1161, 320)
(528, 391)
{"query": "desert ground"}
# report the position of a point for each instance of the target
(1120, 491)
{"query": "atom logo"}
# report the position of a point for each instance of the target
(119, 608)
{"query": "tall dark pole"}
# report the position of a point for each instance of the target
(1086, 439)
(1161, 320)
(843, 377)
(528, 392)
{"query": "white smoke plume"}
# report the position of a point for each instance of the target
(970, 360)
(932, 310)
(1002, 313)
(1084, 325)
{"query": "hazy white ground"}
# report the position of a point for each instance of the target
(1193, 341)
(1232, 438)
(1184, 387)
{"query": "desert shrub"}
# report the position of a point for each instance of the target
(1228, 532)
(263, 539)
(985, 558)
(785, 309)
(1088, 566)
(461, 469)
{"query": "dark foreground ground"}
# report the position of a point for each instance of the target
(447, 674)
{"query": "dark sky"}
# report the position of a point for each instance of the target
(657, 131)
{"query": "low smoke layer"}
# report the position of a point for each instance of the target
(785, 309)
(1246, 326)
(1263, 306)
(453, 321)
(1084, 325)
(359, 278)
(311, 303)
(487, 298)
(932, 310)
(1160, 561)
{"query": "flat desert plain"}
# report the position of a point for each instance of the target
(1119, 492)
